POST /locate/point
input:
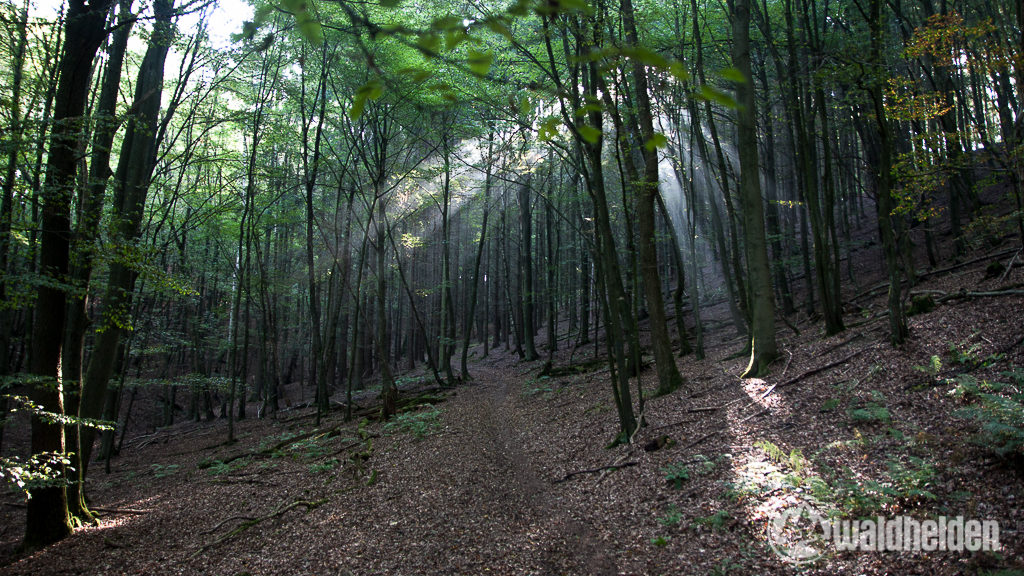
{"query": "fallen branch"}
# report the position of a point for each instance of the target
(241, 480)
(819, 369)
(281, 511)
(615, 465)
(118, 510)
(704, 437)
(609, 467)
(963, 294)
(1009, 267)
(883, 285)
(789, 324)
(1013, 345)
(282, 444)
(967, 263)
(788, 362)
(841, 344)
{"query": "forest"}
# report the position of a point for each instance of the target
(517, 286)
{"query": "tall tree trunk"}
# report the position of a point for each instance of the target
(7, 200)
(763, 349)
(669, 378)
(447, 341)
(131, 185)
(471, 309)
(526, 268)
(47, 519)
(311, 167)
(85, 237)
(897, 320)
(680, 290)
(388, 392)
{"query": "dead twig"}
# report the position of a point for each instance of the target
(609, 468)
(1009, 267)
(788, 362)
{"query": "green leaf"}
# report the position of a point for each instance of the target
(311, 30)
(453, 38)
(588, 108)
(370, 91)
(480, 61)
(308, 26)
(498, 27)
(658, 140)
(525, 106)
(548, 128)
(733, 75)
(429, 43)
(417, 74)
(446, 23)
(589, 133)
(715, 95)
(390, 3)
(677, 70)
(646, 56)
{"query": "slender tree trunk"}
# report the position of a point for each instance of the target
(763, 349)
(7, 200)
(471, 309)
(897, 321)
(526, 269)
(311, 167)
(669, 378)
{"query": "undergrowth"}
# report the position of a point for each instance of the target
(419, 424)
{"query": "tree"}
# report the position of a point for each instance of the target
(47, 519)
(883, 175)
(763, 349)
(131, 185)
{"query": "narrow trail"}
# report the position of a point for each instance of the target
(531, 501)
(473, 499)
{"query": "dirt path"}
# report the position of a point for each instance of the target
(532, 501)
(487, 507)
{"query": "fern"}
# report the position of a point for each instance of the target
(1002, 423)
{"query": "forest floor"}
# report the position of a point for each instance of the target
(510, 475)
